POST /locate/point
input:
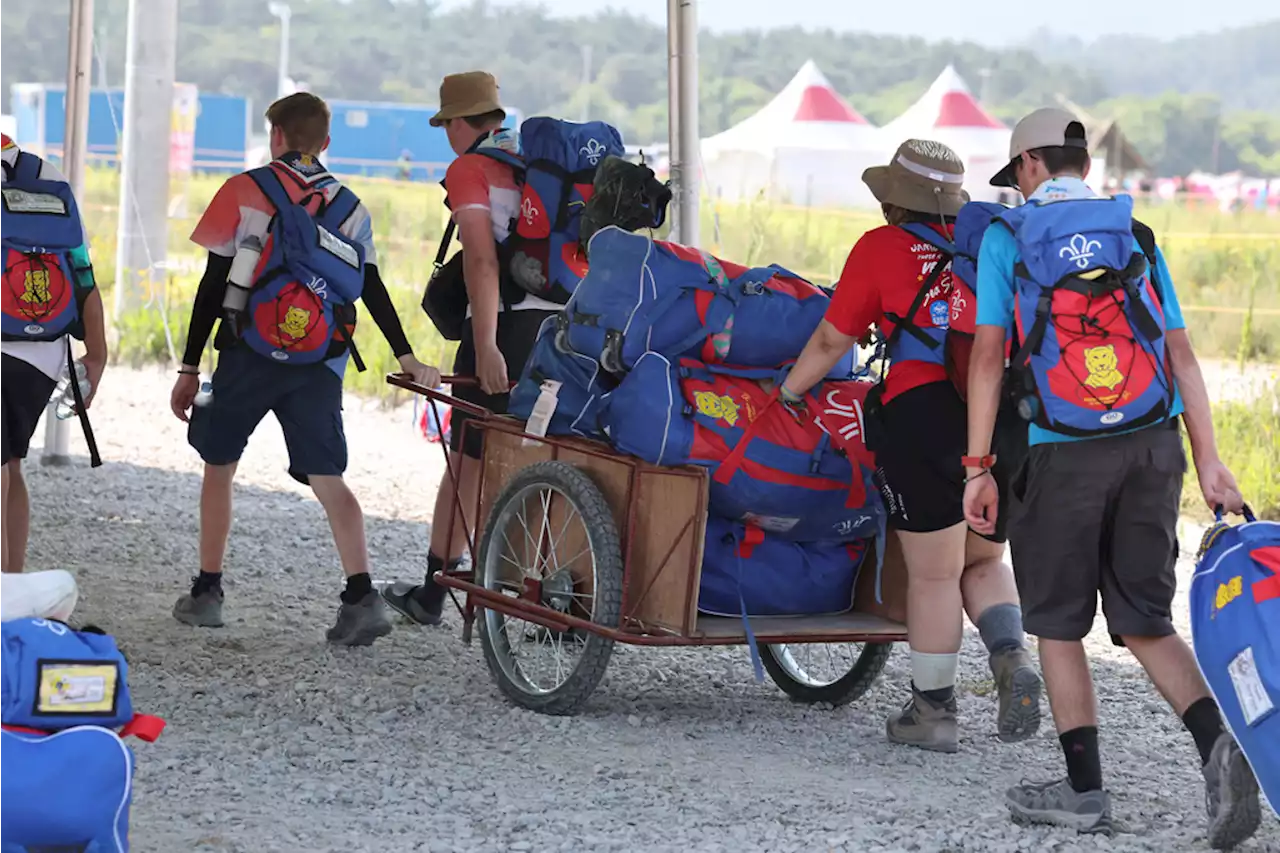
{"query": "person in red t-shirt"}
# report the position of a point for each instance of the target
(894, 273)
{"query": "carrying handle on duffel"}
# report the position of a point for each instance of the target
(1219, 511)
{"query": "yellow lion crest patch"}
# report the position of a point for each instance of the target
(35, 287)
(1103, 366)
(295, 322)
(716, 406)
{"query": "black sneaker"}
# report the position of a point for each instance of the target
(360, 623)
(1230, 795)
(202, 607)
(421, 603)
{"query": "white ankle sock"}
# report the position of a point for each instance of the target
(933, 671)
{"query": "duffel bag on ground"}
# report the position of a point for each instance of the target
(584, 385)
(1235, 630)
(771, 468)
(643, 295)
(748, 571)
(70, 790)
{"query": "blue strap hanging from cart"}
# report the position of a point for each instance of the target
(756, 664)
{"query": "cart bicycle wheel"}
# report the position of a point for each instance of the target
(550, 540)
(837, 673)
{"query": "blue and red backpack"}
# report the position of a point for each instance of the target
(301, 308)
(67, 775)
(1089, 316)
(43, 295)
(584, 385)
(801, 475)
(643, 295)
(1235, 630)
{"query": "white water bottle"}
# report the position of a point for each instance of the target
(241, 276)
(204, 396)
(543, 409)
(66, 394)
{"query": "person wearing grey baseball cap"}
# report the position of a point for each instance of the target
(1103, 368)
(898, 278)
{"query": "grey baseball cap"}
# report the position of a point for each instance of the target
(1044, 128)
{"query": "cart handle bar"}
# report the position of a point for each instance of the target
(402, 380)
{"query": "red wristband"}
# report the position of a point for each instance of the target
(983, 462)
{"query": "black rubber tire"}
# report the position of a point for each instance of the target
(602, 537)
(850, 686)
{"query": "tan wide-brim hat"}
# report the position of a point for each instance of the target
(471, 93)
(924, 176)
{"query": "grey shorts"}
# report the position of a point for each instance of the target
(1099, 516)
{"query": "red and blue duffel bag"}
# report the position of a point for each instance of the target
(643, 295)
(66, 775)
(584, 385)
(773, 468)
(746, 571)
(1235, 630)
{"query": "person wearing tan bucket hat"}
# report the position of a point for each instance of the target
(898, 278)
(500, 328)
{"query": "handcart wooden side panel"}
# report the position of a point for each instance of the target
(660, 514)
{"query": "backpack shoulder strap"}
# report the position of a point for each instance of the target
(27, 167)
(501, 156)
(923, 232)
(1147, 242)
(339, 210)
(271, 185)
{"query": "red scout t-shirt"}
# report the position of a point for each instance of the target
(883, 274)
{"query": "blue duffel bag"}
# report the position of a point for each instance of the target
(65, 772)
(748, 572)
(584, 385)
(1235, 630)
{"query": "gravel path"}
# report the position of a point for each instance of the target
(277, 743)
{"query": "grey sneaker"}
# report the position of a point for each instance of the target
(201, 608)
(1230, 795)
(1018, 685)
(1060, 804)
(421, 603)
(361, 623)
(925, 724)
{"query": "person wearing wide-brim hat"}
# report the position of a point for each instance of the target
(499, 332)
(918, 431)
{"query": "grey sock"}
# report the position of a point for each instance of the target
(1001, 627)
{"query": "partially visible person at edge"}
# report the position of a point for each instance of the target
(484, 199)
(1098, 515)
(306, 399)
(31, 370)
(950, 568)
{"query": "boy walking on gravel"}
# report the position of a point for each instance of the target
(47, 296)
(283, 347)
(1106, 367)
(497, 338)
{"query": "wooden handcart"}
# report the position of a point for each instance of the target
(579, 547)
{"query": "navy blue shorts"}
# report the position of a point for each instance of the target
(307, 401)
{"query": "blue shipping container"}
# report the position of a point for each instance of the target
(39, 110)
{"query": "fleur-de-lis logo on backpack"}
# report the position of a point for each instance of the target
(593, 151)
(527, 211)
(1079, 250)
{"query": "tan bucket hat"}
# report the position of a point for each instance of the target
(471, 93)
(924, 176)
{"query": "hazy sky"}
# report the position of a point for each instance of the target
(958, 19)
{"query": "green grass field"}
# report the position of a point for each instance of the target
(1225, 267)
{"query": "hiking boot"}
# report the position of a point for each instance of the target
(361, 622)
(1018, 685)
(421, 603)
(1230, 795)
(1059, 804)
(200, 607)
(926, 724)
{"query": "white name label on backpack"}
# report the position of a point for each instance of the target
(21, 201)
(334, 246)
(77, 688)
(1254, 701)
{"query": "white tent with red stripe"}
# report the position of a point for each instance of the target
(949, 113)
(807, 146)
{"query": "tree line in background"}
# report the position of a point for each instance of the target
(1207, 102)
